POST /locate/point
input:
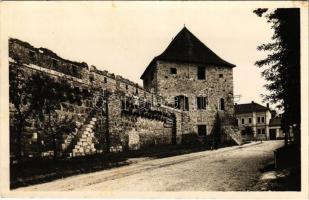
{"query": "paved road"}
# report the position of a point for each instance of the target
(226, 169)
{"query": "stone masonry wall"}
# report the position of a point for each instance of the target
(124, 129)
(218, 84)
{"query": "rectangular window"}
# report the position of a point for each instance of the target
(105, 80)
(136, 91)
(201, 73)
(259, 131)
(201, 130)
(243, 121)
(173, 71)
(259, 120)
(55, 63)
(32, 56)
(250, 120)
(220, 75)
(222, 105)
(262, 131)
(186, 104)
(263, 119)
(201, 102)
(182, 102)
(74, 70)
(127, 87)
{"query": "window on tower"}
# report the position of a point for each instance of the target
(201, 102)
(173, 70)
(201, 73)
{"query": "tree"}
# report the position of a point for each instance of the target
(20, 95)
(282, 64)
(50, 93)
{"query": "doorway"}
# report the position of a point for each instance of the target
(272, 134)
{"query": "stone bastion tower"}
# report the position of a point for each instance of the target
(195, 81)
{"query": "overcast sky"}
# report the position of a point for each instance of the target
(123, 37)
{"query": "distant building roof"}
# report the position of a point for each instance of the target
(185, 47)
(249, 108)
(276, 121)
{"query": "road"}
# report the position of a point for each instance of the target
(226, 169)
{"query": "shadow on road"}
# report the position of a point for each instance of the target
(286, 174)
(40, 171)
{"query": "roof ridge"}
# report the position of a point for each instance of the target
(187, 48)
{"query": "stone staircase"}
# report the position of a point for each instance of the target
(234, 133)
(83, 142)
(230, 128)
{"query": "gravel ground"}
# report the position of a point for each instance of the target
(226, 169)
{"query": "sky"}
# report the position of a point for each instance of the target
(123, 37)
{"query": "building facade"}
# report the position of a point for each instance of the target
(192, 78)
(255, 122)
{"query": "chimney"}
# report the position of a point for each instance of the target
(252, 101)
(267, 105)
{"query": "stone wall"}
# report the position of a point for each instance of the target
(217, 84)
(122, 128)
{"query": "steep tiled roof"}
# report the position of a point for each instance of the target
(185, 47)
(249, 107)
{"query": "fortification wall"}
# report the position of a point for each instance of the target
(135, 117)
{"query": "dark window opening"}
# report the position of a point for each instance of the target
(201, 130)
(173, 71)
(55, 63)
(259, 119)
(263, 119)
(32, 56)
(105, 80)
(250, 121)
(222, 106)
(182, 103)
(136, 91)
(127, 87)
(243, 121)
(201, 73)
(74, 70)
(201, 102)
(220, 75)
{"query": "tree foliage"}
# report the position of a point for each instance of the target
(20, 89)
(49, 94)
(282, 64)
(38, 96)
